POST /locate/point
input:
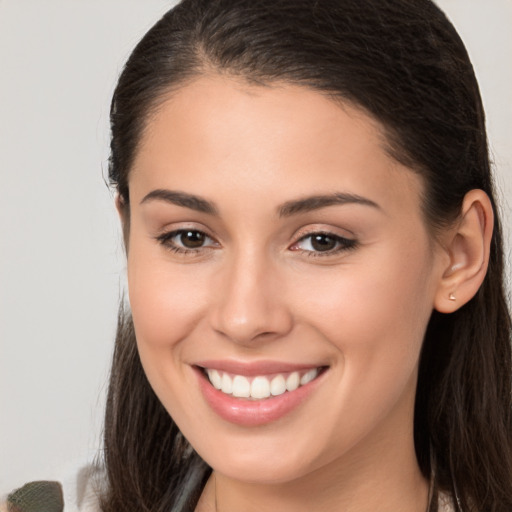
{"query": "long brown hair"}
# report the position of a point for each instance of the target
(403, 63)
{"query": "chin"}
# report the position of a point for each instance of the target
(263, 458)
(256, 470)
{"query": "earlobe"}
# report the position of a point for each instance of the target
(468, 247)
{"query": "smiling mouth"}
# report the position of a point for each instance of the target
(260, 387)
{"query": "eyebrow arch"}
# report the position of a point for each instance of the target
(311, 203)
(182, 199)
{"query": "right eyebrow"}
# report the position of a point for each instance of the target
(182, 199)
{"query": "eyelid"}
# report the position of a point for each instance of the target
(326, 229)
(166, 240)
(343, 243)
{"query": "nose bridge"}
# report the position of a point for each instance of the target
(249, 305)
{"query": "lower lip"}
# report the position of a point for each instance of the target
(252, 413)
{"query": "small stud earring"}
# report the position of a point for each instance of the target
(452, 296)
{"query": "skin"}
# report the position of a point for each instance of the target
(256, 290)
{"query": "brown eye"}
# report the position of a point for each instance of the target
(186, 241)
(192, 239)
(321, 242)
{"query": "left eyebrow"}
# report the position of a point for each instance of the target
(311, 203)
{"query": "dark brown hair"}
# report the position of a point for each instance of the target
(403, 63)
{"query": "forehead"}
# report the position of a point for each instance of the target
(258, 138)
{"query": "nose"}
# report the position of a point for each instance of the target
(250, 305)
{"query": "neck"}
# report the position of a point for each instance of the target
(383, 488)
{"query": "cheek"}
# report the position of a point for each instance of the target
(375, 317)
(375, 314)
(166, 305)
(165, 302)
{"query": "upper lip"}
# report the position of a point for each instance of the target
(254, 368)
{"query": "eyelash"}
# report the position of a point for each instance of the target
(342, 243)
(166, 239)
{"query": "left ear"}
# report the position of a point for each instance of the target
(123, 210)
(468, 246)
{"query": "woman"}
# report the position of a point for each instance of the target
(315, 269)
(305, 194)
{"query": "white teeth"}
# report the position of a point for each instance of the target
(293, 381)
(227, 384)
(241, 387)
(308, 377)
(215, 378)
(260, 387)
(278, 385)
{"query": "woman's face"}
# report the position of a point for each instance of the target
(275, 245)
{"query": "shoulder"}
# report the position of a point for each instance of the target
(90, 483)
(78, 493)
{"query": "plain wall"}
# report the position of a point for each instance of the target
(61, 259)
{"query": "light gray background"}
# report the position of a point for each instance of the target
(61, 259)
